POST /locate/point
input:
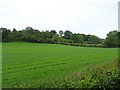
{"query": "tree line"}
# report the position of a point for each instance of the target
(76, 39)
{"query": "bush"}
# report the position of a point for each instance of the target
(82, 45)
(105, 76)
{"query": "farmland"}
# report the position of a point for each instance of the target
(29, 64)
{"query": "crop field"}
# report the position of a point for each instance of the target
(29, 64)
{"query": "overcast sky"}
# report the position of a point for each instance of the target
(96, 17)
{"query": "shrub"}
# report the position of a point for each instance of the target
(105, 76)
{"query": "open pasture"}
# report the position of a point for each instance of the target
(29, 64)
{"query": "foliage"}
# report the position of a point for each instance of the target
(112, 39)
(67, 35)
(82, 45)
(105, 76)
(94, 40)
(33, 35)
(75, 39)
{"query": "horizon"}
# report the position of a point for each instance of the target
(55, 30)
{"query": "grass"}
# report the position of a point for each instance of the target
(33, 64)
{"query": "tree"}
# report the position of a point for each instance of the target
(81, 39)
(56, 38)
(6, 34)
(14, 34)
(29, 28)
(33, 35)
(94, 40)
(67, 34)
(77, 38)
(111, 39)
(86, 37)
(53, 32)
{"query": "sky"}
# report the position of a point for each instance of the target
(95, 17)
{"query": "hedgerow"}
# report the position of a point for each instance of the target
(82, 45)
(105, 76)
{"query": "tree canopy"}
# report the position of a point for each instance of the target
(33, 35)
(112, 39)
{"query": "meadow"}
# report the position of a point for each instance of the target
(32, 64)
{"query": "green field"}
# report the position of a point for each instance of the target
(31, 63)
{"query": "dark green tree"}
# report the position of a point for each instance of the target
(77, 38)
(53, 32)
(111, 39)
(94, 39)
(67, 34)
(6, 34)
